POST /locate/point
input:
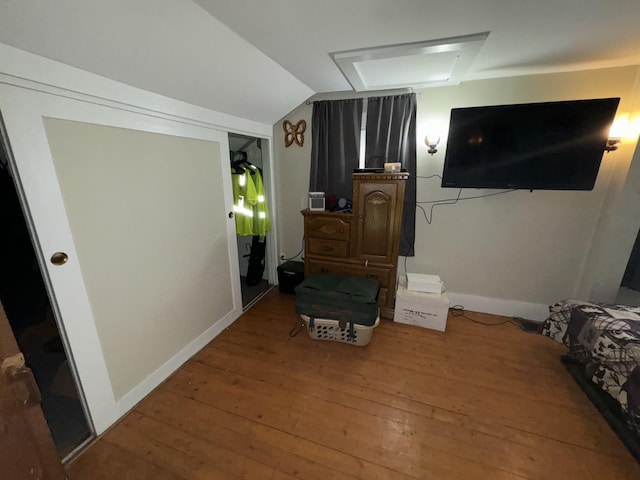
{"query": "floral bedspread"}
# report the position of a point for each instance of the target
(606, 340)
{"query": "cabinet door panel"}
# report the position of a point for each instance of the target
(377, 209)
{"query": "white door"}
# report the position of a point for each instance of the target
(139, 205)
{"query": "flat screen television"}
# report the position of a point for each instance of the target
(534, 146)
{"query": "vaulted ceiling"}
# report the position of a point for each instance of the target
(260, 59)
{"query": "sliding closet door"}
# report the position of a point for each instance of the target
(139, 206)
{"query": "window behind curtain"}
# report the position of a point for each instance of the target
(336, 144)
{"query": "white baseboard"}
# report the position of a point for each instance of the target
(508, 308)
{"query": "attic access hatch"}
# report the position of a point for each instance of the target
(430, 63)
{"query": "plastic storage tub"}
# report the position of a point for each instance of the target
(323, 329)
(339, 307)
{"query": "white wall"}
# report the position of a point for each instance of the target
(292, 167)
(518, 252)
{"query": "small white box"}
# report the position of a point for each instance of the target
(426, 310)
(422, 282)
(316, 200)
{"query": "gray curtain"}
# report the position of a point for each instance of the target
(391, 137)
(335, 127)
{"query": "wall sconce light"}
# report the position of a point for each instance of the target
(617, 131)
(432, 141)
(612, 144)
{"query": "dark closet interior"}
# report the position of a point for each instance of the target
(26, 302)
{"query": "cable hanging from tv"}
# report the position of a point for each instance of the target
(452, 201)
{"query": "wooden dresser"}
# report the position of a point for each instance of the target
(363, 243)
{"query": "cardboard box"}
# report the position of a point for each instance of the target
(427, 310)
(422, 282)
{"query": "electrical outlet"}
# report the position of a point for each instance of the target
(282, 256)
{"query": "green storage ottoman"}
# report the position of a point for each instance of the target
(339, 307)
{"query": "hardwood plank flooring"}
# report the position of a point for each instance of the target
(473, 402)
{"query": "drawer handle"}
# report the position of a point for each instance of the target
(324, 270)
(327, 248)
(371, 275)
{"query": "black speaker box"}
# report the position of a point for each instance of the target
(290, 274)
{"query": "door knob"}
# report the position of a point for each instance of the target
(230, 214)
(59, 258)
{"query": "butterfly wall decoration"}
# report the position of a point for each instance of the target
(294, 133)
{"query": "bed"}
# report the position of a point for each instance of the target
(603, 356)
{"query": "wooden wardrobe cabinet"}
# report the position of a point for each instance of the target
(364, 243)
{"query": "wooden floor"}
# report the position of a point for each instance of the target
(475, 402)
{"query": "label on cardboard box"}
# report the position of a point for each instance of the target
(426, 310)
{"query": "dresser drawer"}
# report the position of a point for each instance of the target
(326, 227)
(336, 268)
(332, 248)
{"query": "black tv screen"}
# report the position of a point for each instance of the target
(535, 146)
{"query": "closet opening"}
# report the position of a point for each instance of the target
(28, 308)
(251, 208)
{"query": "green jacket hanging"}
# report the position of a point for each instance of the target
(245, 199)
(261, 220)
